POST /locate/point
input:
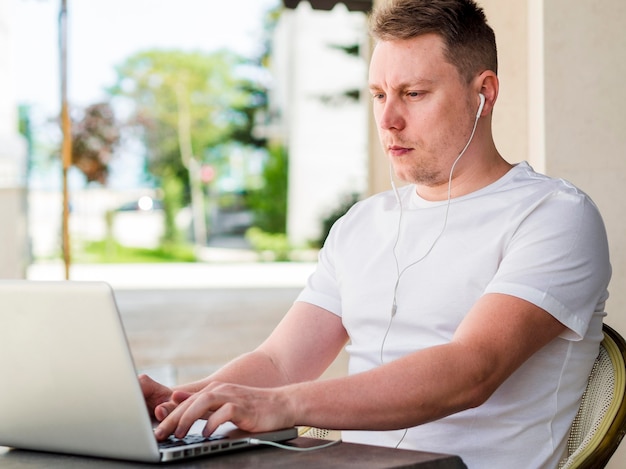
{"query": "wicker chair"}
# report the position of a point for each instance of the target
(313, 432)
(600, 422)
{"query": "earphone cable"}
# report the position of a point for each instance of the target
(399, 273)
(443, 227)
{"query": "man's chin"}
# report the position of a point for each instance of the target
(413, 176)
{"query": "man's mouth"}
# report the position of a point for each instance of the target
(397, 150)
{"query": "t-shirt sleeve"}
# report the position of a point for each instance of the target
(322, 288)
(558, 260)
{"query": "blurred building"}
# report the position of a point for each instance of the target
(14, 253)
(319, 109)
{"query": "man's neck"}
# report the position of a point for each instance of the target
(467, 178)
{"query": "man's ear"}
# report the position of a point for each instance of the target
(488, 85)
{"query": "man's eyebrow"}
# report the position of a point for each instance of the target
(410, 84)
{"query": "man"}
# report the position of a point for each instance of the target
(471, 299)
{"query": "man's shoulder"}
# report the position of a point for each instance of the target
(523, 176)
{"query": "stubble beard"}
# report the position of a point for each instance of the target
(411, 170)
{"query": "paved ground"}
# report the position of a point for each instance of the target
(185, 320)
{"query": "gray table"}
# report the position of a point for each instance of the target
(342, 455)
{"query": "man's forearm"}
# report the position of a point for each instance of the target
(293, 353)
(498, 335)
(251, 369)
(408, 392)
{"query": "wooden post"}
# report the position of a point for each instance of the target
(66, 127)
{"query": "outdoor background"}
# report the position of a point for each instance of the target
(295, 150)
(191, 297)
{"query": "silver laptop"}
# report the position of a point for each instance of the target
(69, 385)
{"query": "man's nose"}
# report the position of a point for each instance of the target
(391, 116)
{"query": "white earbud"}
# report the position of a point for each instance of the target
(481, 106)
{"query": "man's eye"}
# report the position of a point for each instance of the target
(377, 96)
(414, 94)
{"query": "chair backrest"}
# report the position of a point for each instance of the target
(600, 422)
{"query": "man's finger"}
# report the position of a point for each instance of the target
(180, 396)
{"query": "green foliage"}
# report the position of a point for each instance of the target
(353, 50)
(269, 203)
(207, 88)
(25, 125)
(327, 222)
(348, 96)
(107, 252)
(274, 244)
(173, 195)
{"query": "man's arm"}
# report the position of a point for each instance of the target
(301, 347)
(499, 334)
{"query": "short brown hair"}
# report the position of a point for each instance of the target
(470, 43)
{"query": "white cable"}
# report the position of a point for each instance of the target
(394, 305)
(255, 441)
(406, 430)
(382, 345)
(399, 273)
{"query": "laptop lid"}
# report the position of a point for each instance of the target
(69, 382)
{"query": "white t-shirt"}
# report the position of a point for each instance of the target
(525, 235)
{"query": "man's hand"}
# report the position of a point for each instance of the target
(157, 396)
(301, 347)
(250, 409)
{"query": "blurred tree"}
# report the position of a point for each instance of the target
(328, 220)
(94, 138)
(184, 104)
(269, 202)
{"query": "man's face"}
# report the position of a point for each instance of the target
(424, 110)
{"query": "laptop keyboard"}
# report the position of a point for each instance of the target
(173, 442)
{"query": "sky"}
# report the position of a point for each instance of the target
(102, 33)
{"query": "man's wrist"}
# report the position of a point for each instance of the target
(298, 403)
